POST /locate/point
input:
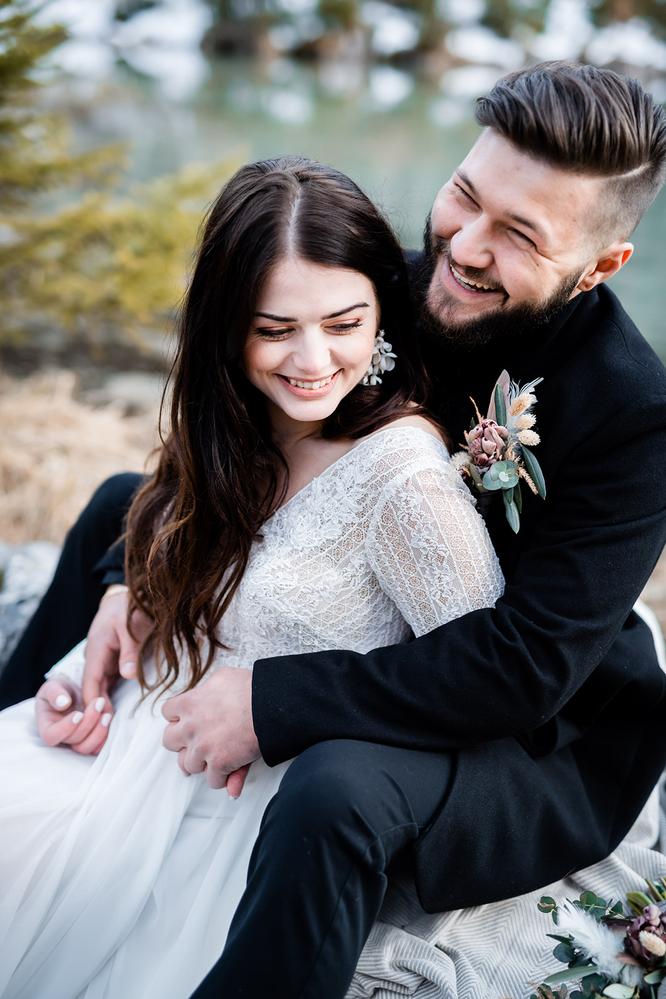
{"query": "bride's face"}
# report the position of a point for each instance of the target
(312, 338)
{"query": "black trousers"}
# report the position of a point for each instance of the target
(344, 815)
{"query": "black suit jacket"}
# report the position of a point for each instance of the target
(553, 700)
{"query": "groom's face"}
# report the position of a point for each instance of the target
(509, 240)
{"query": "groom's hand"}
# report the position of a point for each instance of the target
(111, 651)
(210, 727)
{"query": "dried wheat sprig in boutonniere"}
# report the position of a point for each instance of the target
(497, 455)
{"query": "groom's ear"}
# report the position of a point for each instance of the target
(608, 263)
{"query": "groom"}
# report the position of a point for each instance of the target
(515, 744)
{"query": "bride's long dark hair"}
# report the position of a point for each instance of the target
(220, 475)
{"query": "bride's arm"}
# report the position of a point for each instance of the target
(430, 550)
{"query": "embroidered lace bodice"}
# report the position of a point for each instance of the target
(385, 540)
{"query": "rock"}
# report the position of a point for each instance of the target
(134, 391)
(25, 573)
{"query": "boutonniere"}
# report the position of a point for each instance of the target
(497, 455)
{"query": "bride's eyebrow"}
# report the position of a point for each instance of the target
(292, 319)
(358, 305)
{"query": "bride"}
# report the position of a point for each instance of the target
(304, 500)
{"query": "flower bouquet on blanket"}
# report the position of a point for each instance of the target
(612, 949)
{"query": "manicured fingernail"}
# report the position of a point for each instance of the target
(106, 720)
(76, 717)
(128, 670)
(63, 701)
(99, 704)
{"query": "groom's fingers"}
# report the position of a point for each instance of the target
(193, 761)
(236, 781)
(172, 738)
(181, 762)
(101, 658)
(170, 709)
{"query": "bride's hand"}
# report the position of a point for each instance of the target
(62, 719)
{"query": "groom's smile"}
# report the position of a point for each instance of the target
(467, 284)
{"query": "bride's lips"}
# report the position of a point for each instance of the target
(309, 393)
(452, 284)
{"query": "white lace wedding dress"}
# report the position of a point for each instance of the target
(119, 876)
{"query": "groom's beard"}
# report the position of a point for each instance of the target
(438, 306)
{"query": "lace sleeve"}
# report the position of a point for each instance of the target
(430, 549)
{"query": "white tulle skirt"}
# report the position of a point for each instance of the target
(119, 875)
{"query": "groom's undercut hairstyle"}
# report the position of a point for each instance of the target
(591, 121)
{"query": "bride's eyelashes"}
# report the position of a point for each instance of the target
(344, 327)
(281, 333)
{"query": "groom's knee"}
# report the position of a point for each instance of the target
(111, 499)
(342, 789)
(103, 515)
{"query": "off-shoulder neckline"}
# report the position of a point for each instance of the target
(390, 427)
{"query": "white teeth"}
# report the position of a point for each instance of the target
(467, 283)
(310, 385)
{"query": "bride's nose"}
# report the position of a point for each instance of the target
(312, 353)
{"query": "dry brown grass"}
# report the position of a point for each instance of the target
(54, 451)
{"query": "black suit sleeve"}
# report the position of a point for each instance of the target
(111, 567)
(509, 670)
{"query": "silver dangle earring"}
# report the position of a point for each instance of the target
(383, 359)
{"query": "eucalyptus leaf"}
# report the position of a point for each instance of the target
(619, 991)
(655, 977)
(594, 905)
(592, 983)
(564, 952)
(501, 475)
(569, 974)
(500, 406)
(533, 469)
(511, 510)
(490, 483)
(546, 903)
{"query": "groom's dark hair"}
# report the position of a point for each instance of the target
(589, 120)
